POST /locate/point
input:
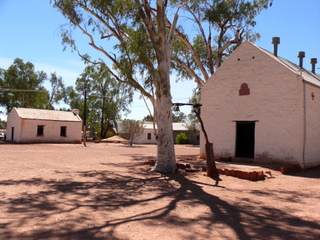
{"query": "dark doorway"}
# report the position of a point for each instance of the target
(12, 133)
(245, 139)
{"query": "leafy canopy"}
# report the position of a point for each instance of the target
(23, 86)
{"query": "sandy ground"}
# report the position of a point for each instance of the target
(104, 191)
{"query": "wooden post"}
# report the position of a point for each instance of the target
(84, 135)
(212, 170)
(211, 164)
(85, 117)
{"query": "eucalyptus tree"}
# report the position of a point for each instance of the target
(179, 117)
(106, 97)
(57, 89)
(1, 76)
(136, 48)
(22, 86)
(73, 98)
(220, 26)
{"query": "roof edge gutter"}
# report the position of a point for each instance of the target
(312, 84)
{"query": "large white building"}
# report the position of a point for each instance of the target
(26, 125)
(258, 105)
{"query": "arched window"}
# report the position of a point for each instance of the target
(244, 90)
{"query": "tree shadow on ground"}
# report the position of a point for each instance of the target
(78, 200)
(249, 219)
(308, 173)
(98, 204)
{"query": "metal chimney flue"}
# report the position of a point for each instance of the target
(301, 55)
(313, 62)
(275, 42)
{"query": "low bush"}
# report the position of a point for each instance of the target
(182, 138)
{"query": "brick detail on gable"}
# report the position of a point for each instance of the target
(244, 89)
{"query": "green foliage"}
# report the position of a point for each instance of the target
(182, 138)
(3, 124)
(109, 134)
(179, 117)
(24, 87)
(221, 26)
(238, 12)
(119, 21)
(73, 98)
(57, 89)
(106, 98)
(148, 118)
(195, 99)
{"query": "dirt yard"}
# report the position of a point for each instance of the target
(104, 191)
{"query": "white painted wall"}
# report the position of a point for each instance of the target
(25, 130)
(312, 153)
(13, 121)
(51, 131)
(275, 102)
(143, 139)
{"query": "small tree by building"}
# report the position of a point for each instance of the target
(148, 118)
(131, 129)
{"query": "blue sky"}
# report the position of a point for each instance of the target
(30, 30)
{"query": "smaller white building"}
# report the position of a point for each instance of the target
(26, 125)
(148, 136)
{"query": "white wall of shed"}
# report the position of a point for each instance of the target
(312, 152)
(13, 121)
(143, 139)
(51, 131)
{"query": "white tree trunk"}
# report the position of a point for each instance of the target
(166, 161)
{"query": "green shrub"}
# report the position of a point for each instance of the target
(110, 134)
(182, 138)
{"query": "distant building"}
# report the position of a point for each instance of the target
(148, 137)
(26, 125)
(260, 106)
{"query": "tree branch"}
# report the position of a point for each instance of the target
(131, 81)
(197, 79)
(192, 50)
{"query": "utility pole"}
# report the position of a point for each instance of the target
(85, 117)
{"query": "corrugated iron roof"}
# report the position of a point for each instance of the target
(176, 126)
(149, 125)
(307, 75)
(41, 114)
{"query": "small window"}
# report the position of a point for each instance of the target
(244, 89)
(149, 136)
(63, 131)
(40, 130)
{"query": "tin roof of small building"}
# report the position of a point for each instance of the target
(53, 115)
(180, 126)
(149, 125)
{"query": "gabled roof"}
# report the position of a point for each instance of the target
(307, 75)
(40, 114)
